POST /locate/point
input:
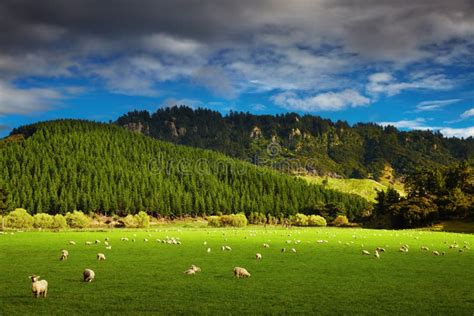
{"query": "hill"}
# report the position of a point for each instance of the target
(60, 166)
(306, 144)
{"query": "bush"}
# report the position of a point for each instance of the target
(42, 220)
(272, 220)
(59, 222)
(19, 218)
(300, 220)
(213, 221)
(234, 220)
(142, 220)
(77, 220)
(257, 218)
(316, 220)
(129, 221)
(341, 220)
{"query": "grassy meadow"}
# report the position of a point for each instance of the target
(320, 278)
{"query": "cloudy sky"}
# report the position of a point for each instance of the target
(405, 63)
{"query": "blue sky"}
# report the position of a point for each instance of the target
(406, 63)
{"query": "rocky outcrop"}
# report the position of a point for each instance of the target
(256, 132)
(138, 127)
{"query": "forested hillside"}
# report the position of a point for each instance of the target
(302, 144)
(68, 165)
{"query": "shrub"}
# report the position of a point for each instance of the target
(272, 220)
(42, 220)
(300, 220)
(77, 220)
(19, 218)
(257, 218)
(142, 220)
(59, 222)
(234, 220)
(316, 220)
(341, 220)
(129, 221)
(213, 221)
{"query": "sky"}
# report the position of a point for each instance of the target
(409, 64)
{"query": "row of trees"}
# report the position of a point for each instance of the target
(70, 165)
(432, 194)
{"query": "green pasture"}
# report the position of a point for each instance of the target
(141, 277)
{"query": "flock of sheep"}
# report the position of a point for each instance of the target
(40, 287)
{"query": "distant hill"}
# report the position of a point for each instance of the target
(66, 165)
(308, 145)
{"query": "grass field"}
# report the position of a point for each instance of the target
(320, 278)
(363, 187)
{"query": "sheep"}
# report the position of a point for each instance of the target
(72, 242)
(293, 250)
(365, 253)
(424, 248)
(322, 241)
(435, 253)
(108, 247)
(376, 254)
(403, 249)
(88, 243)
(97, 241)
(380, 249)
(208, 250)
(205, 243)
(64, 255)
(241, 273)
(106, 243)
(266, 245)
(283, 249)
(100, 256)
(39, 288)
(89, 275)
(145, 240)
(124, 239)
(190, 272)
(226, 248)
(258, 256)
(195, 268)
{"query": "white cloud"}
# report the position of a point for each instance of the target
(386, 84)
(467, 114)
(434, 104)
(26, 101)
(458, 132)
(328, 101)
(420, 124)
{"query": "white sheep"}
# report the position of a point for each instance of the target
(403, 249)
(100, 256)
(241, 273)
(208, 250)
(258, 256)
(106, 243)
(227, 248)
(435, 253)
(108, 247)
(88, 243)
(145, 240)
(283, 249)
(293, 250)
(39, 288)
(97, 241)
(124, 239)
(195, 268)
(380, 249)
(365, 252)
(377, 255)
(64, 255)
(424, 248)
(192, 270)
(89, 275)
(266, 245)
(72, 242)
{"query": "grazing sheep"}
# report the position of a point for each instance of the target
(380, 249)
(403, 249)
(88, 243)
(266, 246)
(435, 253)
(190, 272)
(293, 250)
(39, 288)
(258, 256)
(145, 240)
(376, 254)
(72, 242)
(158, 240)
(106, 243)
(208, 249)
(64, 255)
(205, 243)
(195, 268)
(89, 275)
(226, 248)
(108, 247)
(100, 256)
(365, 253)
(424, 248)
(241, 273)
(97, 241)
(124, 239)
(283, 249)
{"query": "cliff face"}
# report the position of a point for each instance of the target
(313, 144)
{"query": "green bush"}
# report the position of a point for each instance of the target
(142, 220)
(341, 220)
(42, 220)
(213, 221)
(19, 218)
(316, 220)
(272, 220)
(300, 220)
(59, 222)
(257, 218)
(234, 220)
(77, 220)
(129, 221)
